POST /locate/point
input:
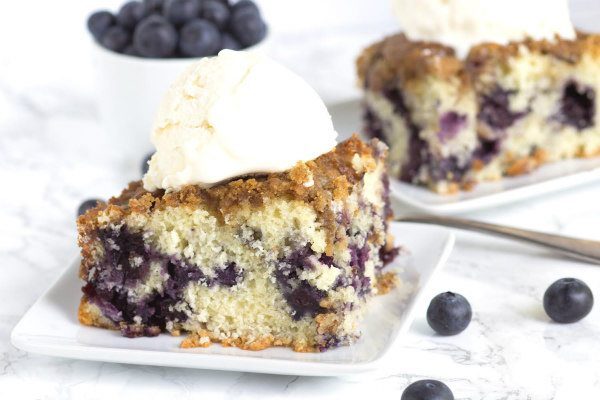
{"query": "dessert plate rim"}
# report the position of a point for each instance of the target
(33, 335)
(545, 180)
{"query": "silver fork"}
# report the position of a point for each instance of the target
(582, 249)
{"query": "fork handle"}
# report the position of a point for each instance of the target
(582, 249)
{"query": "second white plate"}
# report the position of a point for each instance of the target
(547, 179)
(50, 326)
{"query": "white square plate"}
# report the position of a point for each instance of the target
(50, 326)
(549, 178)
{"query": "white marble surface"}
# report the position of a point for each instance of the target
(53, 155)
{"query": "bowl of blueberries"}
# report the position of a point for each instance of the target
(140, 49)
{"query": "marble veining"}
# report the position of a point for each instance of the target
(53, 154)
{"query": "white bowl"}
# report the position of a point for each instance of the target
(129, 91)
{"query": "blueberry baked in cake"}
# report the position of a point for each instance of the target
(256, 251)
(490, 91)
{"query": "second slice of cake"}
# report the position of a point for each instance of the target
(500, 109)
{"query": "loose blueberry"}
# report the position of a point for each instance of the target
(449, 313)
(99, 22)
(145, 164)
(155, 37)
(130, 14)
(229, 42)
(153, 6)
(116, 38)
(427, 389)
(87, 205)
(216, 12)
(178, 12)
(199, 38)
(247, 26)
(568, 300)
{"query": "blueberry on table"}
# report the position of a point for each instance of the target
(178, 12)
(568, 300)
(247, 26)
(131, 13)
(427, 389)
(229, 42)
(216, 12)
(145, 164)
(99, 22)
(155, 37)
(449, 313)
(87, 205)
(199, 38)
(116, 38)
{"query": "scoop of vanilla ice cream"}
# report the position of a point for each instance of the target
(235, 114)
(463, 23)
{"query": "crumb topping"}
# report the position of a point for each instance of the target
(397, 59)
(331, 175)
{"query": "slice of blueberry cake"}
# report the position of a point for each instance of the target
(282, 259)
(452, 122)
